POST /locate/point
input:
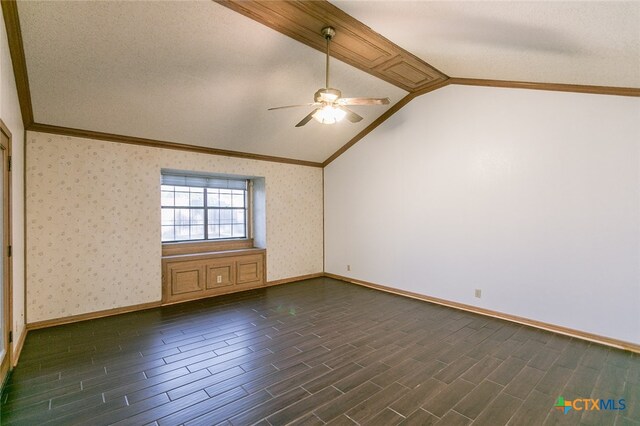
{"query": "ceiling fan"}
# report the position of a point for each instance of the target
(329, 103)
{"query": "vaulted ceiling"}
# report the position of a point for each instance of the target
(571, 42)
(201, 74)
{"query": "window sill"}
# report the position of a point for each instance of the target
(194, 247)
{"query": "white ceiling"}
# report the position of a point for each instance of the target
(189, 72)
(575, 42)
(197, 73)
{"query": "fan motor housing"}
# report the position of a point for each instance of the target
(327, 95)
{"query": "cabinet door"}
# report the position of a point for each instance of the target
(250, 270)
(221, 273)
(186, 278)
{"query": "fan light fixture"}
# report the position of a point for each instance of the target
(329, 114)
(331, 107)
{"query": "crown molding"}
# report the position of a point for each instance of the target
(557, 87)
(574, 88)
(384, 117)
(110, 137)
(16, 50)
(355, 44)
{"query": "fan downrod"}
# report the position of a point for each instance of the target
(328, 33)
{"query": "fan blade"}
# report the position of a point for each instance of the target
(306, 119)
(363, 101)
(351, 116)
(293, 106)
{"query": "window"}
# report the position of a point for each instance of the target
(203, 208)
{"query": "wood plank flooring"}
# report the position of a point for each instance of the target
(314, 352)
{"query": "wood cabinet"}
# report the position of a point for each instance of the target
(198, 275)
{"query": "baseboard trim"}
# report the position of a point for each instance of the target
(292, 279)
(620, 344)
(92, 315)
(19, 346)
(133, 308)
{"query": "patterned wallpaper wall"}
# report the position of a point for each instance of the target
(93, 221)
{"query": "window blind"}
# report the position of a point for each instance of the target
(203, 181)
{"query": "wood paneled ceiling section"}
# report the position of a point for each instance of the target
(354, 43)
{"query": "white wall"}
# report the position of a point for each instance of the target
(10, 114)
(531, 196)
(93, 221)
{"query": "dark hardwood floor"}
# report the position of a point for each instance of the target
(309, 353)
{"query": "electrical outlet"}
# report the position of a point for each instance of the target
(219, 279)
(478, 293)
(348, 267)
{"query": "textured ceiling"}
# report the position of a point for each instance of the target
(574, 42)
(188, 72)
(197, 73)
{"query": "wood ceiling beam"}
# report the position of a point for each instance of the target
(354, 42)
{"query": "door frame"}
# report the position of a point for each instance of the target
(7, 363)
